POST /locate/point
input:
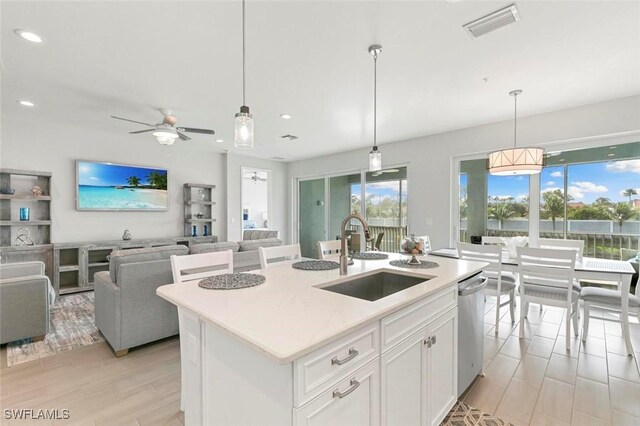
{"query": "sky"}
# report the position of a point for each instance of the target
(380, 190)
(103, 174)
(585, 182)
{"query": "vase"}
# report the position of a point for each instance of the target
(194, 231)
(206, 231)
(24, 213)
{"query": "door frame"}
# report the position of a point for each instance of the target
(243, 170)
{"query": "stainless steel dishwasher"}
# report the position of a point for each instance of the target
(470, 329)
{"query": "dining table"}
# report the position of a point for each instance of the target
(616, 272)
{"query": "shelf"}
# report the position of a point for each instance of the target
(204, 203)
(69, 268)
(94, 264)
(25, 172)
(199, 220)
(199, 185)
(76, 289)
(25, 222)
(25, 197)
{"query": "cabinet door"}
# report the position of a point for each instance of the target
(442, 366)
(354, 401)
(404, 392)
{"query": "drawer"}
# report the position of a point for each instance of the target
(354, 401)
(407, 321)
(324, 367)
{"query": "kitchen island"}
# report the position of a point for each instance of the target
(289, 352)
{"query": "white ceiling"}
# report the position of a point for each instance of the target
(310, 60)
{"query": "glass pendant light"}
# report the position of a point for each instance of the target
(243, 135)
(375, 156)
(516, 161)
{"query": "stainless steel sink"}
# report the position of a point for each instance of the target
(376, 286)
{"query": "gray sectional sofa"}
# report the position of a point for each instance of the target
(129, 313)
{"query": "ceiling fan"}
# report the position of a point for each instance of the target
(166, 132)
(255, 178)
(385, 171)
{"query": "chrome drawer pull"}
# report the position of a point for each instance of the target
(352, 354)
(354, 385)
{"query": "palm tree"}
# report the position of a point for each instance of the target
(133, 181)
(553, 205)
(629, 193)
(621, 212)
(501, 211)
(157, 180)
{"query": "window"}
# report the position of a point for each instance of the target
(601, 206)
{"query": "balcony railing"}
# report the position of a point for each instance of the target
(603, 246)
(393, 236)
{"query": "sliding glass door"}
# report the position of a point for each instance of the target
(311, 215)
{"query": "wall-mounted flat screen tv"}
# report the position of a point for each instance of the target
(108, 186)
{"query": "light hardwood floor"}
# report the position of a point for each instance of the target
(142, 388)
(532, 381)
(536, 381)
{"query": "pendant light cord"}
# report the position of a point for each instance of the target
(515, 119)
(243, 57)
(375, 98)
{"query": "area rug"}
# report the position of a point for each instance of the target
(71, 326)
(463, 415)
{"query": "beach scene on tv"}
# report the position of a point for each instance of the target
(119, 187)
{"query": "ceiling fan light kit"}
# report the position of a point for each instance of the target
(243, 134)
(375, 156)
(165, 136)
(516, 161)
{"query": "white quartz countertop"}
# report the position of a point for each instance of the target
(288, 316)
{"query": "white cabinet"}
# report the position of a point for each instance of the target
(355, 401)
(419, 376)
(442, 366)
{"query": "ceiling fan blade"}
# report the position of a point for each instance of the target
(142, 131)
(193, 130)
(182, 136)
(133, 121)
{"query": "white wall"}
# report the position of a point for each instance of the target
(430, 158)
(28, 144)
(278, 176)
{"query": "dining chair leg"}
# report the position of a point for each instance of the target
(525, 306)
(575, 319)
(497, 312)
(585, 321)
(624, 319)
(522, 315)
(512, 305)
(568, 328)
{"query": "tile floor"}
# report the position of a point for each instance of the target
(535, 381)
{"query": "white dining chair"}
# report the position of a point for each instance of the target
(498, 283)
(558, 244)
(547, 277)
(329, 249)
(610, 300)
(278, 254)
(196, 267)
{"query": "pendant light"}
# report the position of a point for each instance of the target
(244, 120)
(516, 161)
(375, 156)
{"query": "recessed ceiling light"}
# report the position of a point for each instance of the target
(29, 36)
(219, 140)
(285, 116)
(26, 103)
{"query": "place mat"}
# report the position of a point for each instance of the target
(370, 256)
(232, 281)
(316, 265)
(424, 264)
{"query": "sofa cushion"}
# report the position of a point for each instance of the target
(211, 247)
(251, 245)
(120, 257)
(258, 234)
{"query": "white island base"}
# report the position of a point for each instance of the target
(412, 383)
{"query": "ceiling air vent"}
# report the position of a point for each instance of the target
(289, 137)
(493, 21)
(278, 158)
